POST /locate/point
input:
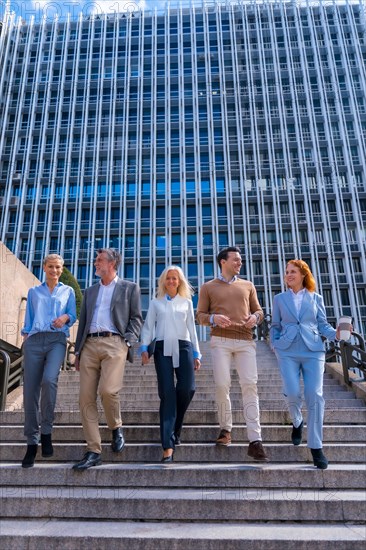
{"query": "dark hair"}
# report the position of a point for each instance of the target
(113, 256)
(224, 253)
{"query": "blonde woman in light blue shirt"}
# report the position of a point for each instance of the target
(50, 312)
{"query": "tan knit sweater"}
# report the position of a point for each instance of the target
(236, 300)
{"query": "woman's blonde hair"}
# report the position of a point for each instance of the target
(184, 289)
(309, 281)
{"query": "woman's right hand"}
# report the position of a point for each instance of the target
(145, 359)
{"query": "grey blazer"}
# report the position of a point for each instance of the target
(125, 312)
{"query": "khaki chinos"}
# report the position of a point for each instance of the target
(102, 363)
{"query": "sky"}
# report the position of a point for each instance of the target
(48, 8)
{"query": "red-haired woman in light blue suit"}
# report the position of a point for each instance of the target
(298, 323)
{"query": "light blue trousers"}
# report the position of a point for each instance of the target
(44, 353)
(294, 361)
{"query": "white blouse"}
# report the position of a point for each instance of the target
(170, 320)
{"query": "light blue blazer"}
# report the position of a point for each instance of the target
(311, 322)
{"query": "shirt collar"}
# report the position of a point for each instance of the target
(112, 283)
(58, 284)
(169, 298)
(222, 278)
(300, 293)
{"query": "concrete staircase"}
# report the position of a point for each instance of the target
(210, 498)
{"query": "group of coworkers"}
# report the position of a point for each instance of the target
(111, 323)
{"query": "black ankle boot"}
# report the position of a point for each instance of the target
(296, 436)
(319, 459)
(30, 455)
(47, 448)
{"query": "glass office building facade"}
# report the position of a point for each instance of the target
(169, 134)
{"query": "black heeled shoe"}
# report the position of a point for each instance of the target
(319, 459)
(167, 459)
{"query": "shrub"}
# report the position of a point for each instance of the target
(68, 279)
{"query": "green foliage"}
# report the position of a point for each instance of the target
(68, 279)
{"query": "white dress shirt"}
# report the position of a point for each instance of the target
(102, 319)
(170, 320)
(298, 298)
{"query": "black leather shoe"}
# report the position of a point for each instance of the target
(47, 448)
(319, 459)
(90, 459)
(30, 456)
(167, 459)
(118, 441)
(296, 436)
(177, 440)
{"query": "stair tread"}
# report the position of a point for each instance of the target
(178, 530)
(179, 493)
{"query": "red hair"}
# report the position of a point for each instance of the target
(309, 281)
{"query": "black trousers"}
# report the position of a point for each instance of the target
(174, 398)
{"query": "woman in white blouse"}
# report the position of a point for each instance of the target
(170, 321)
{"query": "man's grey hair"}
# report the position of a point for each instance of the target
(113, 256)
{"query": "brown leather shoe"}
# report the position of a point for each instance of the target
(224, 438)
(256, 451)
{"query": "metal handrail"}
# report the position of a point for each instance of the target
(9, 377)
(353, 358)
(264, 328)
(4, 378)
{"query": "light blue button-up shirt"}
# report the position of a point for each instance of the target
(43, 307)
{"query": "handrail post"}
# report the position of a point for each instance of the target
(344, 357)
(4, 379)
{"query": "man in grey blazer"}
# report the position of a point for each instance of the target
(110, 323)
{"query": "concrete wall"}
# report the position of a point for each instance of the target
(15, 281)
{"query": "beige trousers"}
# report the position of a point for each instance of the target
(102, 363)
(242, 353)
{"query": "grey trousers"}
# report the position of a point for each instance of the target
(44, 353)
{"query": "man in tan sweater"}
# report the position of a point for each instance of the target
(230, 306)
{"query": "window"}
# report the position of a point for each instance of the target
(208, 268)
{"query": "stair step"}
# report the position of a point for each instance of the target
(220, 476)
(153, 404)
(241, 504)
(119, 535)
(208, 398)
(142, 452)
(71, 415)
(191, 434)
